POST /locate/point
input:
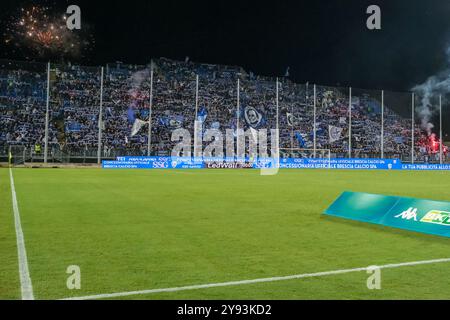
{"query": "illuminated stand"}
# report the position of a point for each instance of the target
(437, 147)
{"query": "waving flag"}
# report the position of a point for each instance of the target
(130, 114)
(137, 126)
(253, 117)
(334, 133)
(399, 140)
(300, 140)
(215, 125)
(254, 134)
(171, 122)
(202, 114)
(291, 119)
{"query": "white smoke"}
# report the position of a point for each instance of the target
(137, 78)
(438, 84)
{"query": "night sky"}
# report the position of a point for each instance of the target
(323, 42)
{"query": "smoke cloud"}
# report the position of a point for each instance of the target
(435, 85)
(138, 78)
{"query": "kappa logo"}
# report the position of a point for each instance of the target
(409, 214)
(437, 217)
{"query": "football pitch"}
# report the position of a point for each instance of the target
(140, 230)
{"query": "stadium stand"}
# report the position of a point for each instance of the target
(74, 110)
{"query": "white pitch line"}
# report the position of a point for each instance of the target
(261, 280)
(25, 280)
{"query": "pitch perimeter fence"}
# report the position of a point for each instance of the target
(69, 113)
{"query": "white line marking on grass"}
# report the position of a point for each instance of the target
(261, 280)
(25, 280)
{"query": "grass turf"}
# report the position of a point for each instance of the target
(144, 229)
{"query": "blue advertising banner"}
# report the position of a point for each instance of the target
(152, 163)
(186, 163)
(420, 215)
(426, 166)
(258, 163)
(334, 163)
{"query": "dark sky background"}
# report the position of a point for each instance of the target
(323, 42)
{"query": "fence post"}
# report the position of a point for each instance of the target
(276, 148)
(47, 115)
(10, 156)
(314, 126)
(412, 129)
(382, 124)
(197, 147)
(350, 122)
(440, 130)
(238, 104)
(149, 138)
(277, 104)
(100, 120)
(292, 129)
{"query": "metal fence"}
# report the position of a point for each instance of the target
(70, 113)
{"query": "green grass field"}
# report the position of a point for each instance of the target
(147, 229)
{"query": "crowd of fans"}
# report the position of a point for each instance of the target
(181, 90)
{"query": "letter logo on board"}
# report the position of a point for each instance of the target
(413, 214)
(409, 214)
(437, 217)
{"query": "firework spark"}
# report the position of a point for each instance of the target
(39, 31)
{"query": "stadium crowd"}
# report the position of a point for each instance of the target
(75, 93)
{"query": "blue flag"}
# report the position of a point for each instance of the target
(131, 115)
(300, 140)
(202, 114)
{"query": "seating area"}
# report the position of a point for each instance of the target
(74, 100)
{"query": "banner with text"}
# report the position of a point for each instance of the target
(138, 162)
(420, 215)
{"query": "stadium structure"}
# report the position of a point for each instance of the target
(83, 232)
(69, 113)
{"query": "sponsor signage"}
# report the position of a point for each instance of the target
(258, 163)
(152, 163)
(334, 163)
(420, 215)
(425, 166)
(228, 165)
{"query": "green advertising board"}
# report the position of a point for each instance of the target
(420, 215)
